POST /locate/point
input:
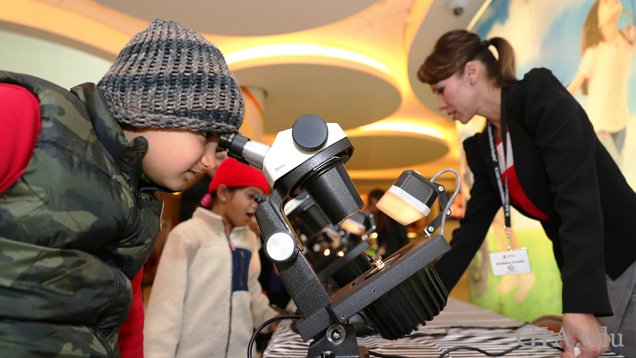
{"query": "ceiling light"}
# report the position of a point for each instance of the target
(391, 126)
(302, 50)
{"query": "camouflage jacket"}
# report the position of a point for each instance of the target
(74, 229)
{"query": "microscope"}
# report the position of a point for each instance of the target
(397, 294)
(331, 250)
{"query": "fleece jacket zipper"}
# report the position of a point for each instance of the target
(229, 331)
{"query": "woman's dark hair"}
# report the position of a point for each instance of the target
(457, 47)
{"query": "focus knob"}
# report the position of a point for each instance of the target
(309, 132)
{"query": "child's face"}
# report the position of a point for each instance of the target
(241, 206)
(175, 157)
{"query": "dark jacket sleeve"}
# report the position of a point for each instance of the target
(567, 144)
(481, 208)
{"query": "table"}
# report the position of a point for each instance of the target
(285, 343)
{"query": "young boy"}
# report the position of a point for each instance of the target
(78, 211)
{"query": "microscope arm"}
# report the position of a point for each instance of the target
(299, 279)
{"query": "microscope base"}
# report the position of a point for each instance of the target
(346, 347)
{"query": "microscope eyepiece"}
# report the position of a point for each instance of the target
(226, 140)
(234, 144)
(260, 198)
(243, 149)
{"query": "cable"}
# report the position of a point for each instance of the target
(280, 310)
(492, 354)
(417, 334)
(452, 198)
(490, 328)
(479, 350)
(385, 355)
(262, 326)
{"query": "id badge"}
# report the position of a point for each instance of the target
(510, 262)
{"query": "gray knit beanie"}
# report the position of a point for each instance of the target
(168, 76)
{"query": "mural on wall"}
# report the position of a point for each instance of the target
(589, 45)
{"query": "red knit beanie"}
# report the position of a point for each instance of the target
(232, 174)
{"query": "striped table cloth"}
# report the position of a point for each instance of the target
(436, 337)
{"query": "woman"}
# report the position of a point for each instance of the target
(556, 171)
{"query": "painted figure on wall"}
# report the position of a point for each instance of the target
(603, 74)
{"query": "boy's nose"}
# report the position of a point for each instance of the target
(209, 158)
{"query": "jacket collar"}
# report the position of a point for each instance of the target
(215, 221)
(127, 155)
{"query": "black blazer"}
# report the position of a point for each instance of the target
(567, 174)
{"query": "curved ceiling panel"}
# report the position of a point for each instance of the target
(242, 17)
(388, 152)
(345, 96)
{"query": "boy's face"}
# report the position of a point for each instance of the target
(175, 157)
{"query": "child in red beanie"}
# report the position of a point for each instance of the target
(206, 299)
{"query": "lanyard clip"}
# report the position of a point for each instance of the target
(508, 231)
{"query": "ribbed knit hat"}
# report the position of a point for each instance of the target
(168, 76)
(232, 174)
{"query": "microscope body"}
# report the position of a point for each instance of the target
(310, 158)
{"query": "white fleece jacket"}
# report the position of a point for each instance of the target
(193, 310)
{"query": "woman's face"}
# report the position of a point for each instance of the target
(609, 11)
(455, 95)
(241, 205)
